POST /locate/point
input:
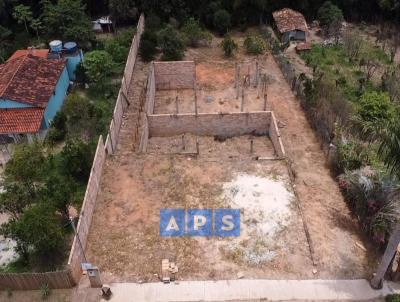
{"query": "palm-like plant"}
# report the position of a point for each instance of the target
(389, 149)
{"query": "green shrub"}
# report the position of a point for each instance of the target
(228, 45)
(392, 298)
(255, 45)
(148, 45)
(222, 21)
(76, 160)
(45, 291)
(350, 156)
(58, 128)
(375, 107)
(193, 32)
(118, 52)
(171, 44)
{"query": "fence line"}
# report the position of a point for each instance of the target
(71, 275)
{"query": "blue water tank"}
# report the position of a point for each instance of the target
(70, 47)
(55, 46)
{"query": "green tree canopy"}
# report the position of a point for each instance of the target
(375, 107)
(171, 44)
(222, 21)
(22, 14)
(329, 13)
(98, 65)
(67, 20)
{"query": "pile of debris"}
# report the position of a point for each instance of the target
(168, 270)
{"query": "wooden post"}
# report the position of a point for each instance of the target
(236, 66)
(256, 76)
(183, 142)
(195, 100)
(251, 146)
(265, 101)
(176, 105)
(242, 102)
(197, 147)
(238, 83)
(391, 248)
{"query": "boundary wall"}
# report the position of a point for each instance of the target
(213, 124)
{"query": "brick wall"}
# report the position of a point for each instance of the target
(229, 124)
(175, 75)
(151, 91)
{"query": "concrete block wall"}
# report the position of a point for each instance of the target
(228, 124)
(175, 75)
(151, 91)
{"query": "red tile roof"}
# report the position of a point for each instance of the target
(42, 53)
(20, 120)
(288, 19)
(30, 79)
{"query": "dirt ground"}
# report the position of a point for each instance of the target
(233, 147)
(124, 239)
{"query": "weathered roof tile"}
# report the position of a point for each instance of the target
(288, 19)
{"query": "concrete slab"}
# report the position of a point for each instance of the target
(247, 289)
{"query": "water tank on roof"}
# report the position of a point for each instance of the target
(55, 46)
(70, 47)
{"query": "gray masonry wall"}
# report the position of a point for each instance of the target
(175, 75)
(228, 124)
(151, 91)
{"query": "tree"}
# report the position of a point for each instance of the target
(14, 200)
(148, 45)
(38, 231)
(122, 10)
(193, 32)
(26, 167)
(76, 160)
(98, 65)
(23, 15)
(222, 21)
(5, 34)
(353, 44)
(369, 65)
(37, 26)
(391, 83)
(329, 13)
(228, 45)
(60, 192)
(67, 20)
(118, 52)
(254, 45)
(171, 44)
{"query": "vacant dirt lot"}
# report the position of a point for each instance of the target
(124, 238)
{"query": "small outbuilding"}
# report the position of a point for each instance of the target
(290, 25)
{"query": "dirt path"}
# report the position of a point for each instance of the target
(333, 232)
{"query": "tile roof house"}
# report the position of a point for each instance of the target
(32, 90)
(290, 25)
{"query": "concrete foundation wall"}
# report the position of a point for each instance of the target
(229, 124)
(175, 75)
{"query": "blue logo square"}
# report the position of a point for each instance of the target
(227, 222)
(199, 222)
(172, 222)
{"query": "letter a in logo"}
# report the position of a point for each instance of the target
(172, 222)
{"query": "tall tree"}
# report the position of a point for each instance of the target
(67, 20)
(23, 15)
